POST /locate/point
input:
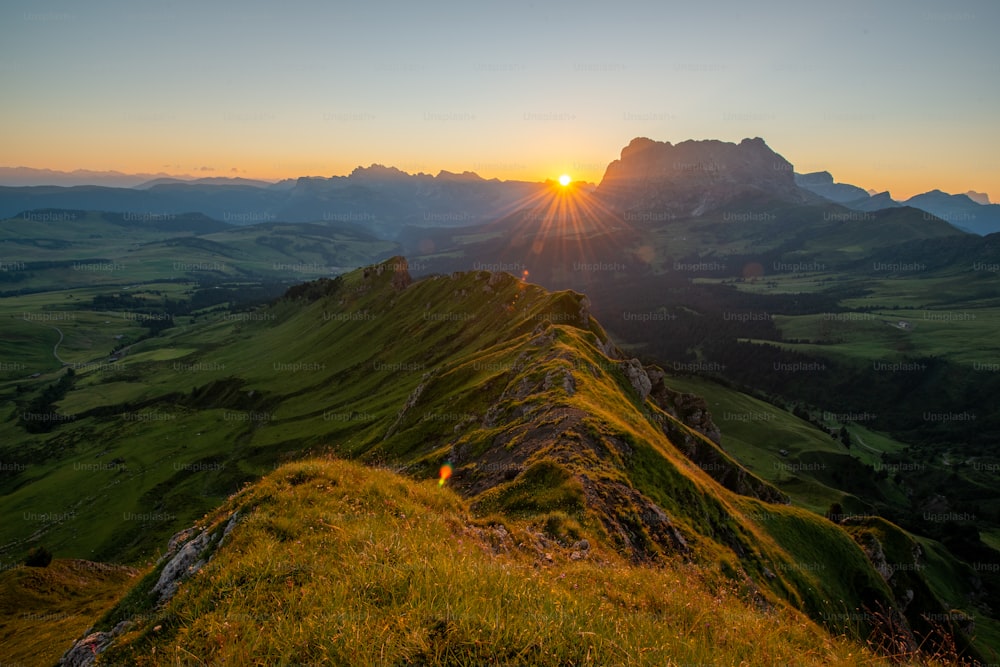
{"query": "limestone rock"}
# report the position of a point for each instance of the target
(694, 177)
(636, 375)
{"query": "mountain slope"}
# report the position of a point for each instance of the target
(383, 199)
(959, 210)
(519, 389)
(42, 610)
(821, 183)
(26, 176)
(51, 249)
(693, 177)
(326, 561)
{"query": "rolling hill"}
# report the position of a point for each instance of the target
(48, 249)
(328, 562)
(544, 422)
(382, 199)
(750, 415)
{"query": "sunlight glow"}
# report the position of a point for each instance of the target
(565, 180)
(566, 226)
(444, 474)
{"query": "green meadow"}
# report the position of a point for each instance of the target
(102, 249)
(508, 382)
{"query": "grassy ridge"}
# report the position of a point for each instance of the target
(43, 610)
(510, 383)
(82, 249)
(346, 565)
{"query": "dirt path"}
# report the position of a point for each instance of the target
(55, 348)
(866, 446)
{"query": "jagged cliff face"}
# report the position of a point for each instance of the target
(695, 177)
(527, 427)
(822, 184)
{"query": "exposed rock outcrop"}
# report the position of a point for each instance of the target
(689, 408)
(411, 401)
(693, 417)
(821, 183)
(85, 651)
(638, 378)
(694, 177)
(187, 552)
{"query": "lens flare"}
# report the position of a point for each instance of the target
(445, 474)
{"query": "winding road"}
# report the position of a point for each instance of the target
(55, 348)
(866, 446)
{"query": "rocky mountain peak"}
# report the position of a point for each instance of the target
(638, 145)
(978, 197)
(464, 177)
(694, 177)
(379, 172)
(815, 178)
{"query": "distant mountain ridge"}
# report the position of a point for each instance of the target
(959, 210)
(29, 176)
(693, 177)
(821, 183)
(650, 178)
(978, 197)
(382, 199)
(970, 212)
(210, 180)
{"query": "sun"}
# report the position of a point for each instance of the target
(565, 180)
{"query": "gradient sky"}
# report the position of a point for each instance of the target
(903, 96)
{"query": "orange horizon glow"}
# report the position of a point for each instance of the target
(202, 154)
(309, 170)
(196, 97)
(568, 220)
(879, 179)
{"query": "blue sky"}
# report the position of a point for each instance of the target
(889, 95)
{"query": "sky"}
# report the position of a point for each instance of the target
(900, 96)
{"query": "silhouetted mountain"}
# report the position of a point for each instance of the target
(383, 199)
(959, 210)
(212, 180)
(695, 177)
(821, 183)
(14, 200)
(971, 212)
(386, 199)
(651, 181)
(978, 197)
(28, 176)
(875, 202)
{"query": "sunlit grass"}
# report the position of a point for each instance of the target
(43, 610)
(333, 562)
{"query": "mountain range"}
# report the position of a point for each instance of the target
(386, 200)
(28, 176)
(695, 177)
(700, 402)
(971, 211)
(549, 432)
(381, 199)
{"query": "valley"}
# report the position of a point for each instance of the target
(786, 405)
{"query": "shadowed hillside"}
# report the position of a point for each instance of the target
(519, 390)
